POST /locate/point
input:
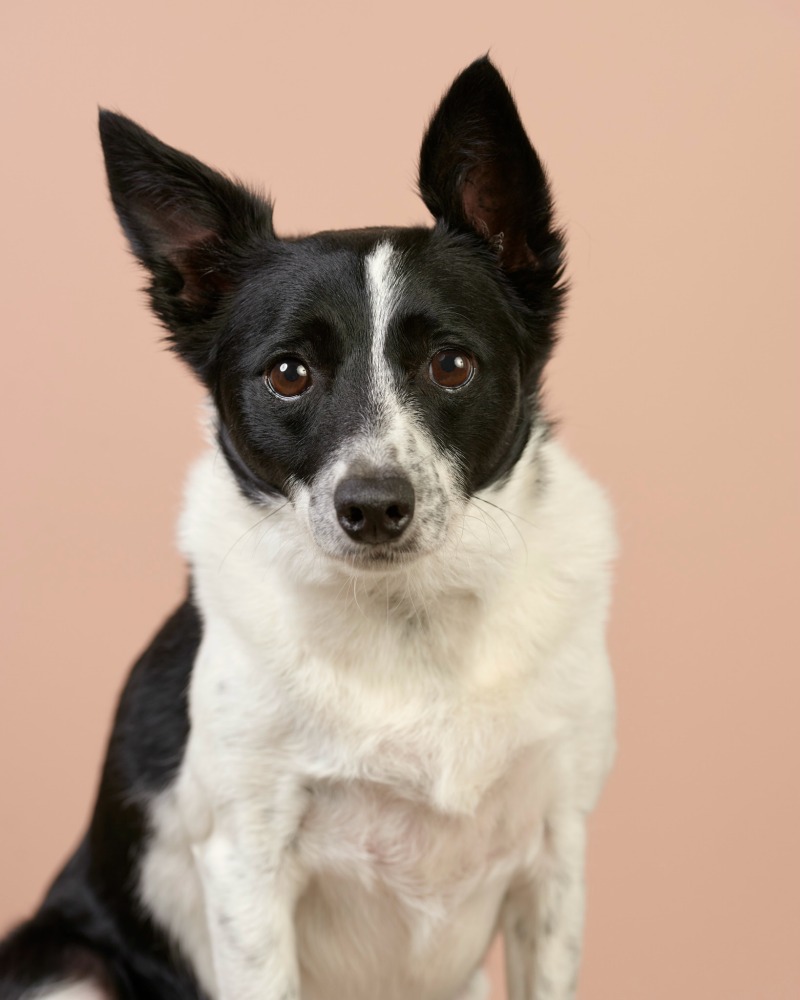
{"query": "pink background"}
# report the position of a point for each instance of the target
(671, 134)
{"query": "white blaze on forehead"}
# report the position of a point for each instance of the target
(383, 288)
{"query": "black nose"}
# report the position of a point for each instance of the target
(374, 510)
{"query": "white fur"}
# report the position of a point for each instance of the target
(478, 988)
(384, 764)
(383, 288)
(74, 991)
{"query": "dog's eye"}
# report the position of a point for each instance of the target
(451, 368)
(288, 377)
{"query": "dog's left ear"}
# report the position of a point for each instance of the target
(478, 172)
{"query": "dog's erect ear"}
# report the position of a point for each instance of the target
(189, 225)
(479, 172)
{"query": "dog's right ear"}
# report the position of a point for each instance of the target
(190, 226)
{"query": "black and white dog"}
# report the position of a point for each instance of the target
(372, 733)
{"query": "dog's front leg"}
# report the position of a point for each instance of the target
(542, 918)
(250, 887)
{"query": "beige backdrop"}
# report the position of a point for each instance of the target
(671, 133)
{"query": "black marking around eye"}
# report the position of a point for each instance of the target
(310, 299)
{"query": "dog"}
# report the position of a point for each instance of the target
(370, 736)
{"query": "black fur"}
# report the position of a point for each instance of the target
(479, 173)
(90, 924)
(235, 297)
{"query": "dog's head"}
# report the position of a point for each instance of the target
(374, 378)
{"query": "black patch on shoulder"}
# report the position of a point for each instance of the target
(91, 923)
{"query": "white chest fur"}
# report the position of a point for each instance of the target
(414, 741)
(412, 828)
(414, 892)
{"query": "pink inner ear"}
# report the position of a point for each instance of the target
(176, 231)
(488, 213)
(193, 248)
(480, 203)
(204, 273)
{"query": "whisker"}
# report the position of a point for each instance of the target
(484, 514)
(355, 596)
(252, 527)
(508, 514)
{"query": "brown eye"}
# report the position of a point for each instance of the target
(288, 377)
(451, 368)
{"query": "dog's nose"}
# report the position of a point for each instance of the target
(374, 510)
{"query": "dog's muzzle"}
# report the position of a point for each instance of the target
(374, 511)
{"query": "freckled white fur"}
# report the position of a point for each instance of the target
(381, 762)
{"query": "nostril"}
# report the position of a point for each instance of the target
(394, 513)
(355, 516)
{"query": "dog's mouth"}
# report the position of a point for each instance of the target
(345, 552)
(377, 557)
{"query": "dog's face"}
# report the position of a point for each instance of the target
(376, 378)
